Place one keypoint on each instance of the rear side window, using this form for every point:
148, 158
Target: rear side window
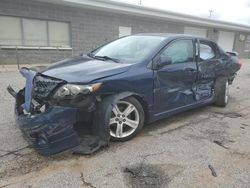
206, 52
180, 51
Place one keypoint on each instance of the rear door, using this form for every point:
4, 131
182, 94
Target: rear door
173, 83
208, 64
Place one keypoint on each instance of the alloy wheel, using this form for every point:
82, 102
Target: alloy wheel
227, 92
124, 119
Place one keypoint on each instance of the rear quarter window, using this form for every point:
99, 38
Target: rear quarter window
206, 52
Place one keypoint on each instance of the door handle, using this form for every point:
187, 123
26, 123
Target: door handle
190, 70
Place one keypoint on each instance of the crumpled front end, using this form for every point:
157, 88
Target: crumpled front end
49, 128
50, 124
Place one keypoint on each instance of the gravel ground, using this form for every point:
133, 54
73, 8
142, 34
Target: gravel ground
206, 147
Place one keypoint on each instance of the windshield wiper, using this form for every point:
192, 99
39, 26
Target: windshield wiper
103, 57
107, 58
90, 55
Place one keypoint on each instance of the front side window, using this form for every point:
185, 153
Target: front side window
206, 52
180, 51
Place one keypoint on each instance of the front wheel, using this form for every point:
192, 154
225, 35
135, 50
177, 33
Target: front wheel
126, 120
221, 91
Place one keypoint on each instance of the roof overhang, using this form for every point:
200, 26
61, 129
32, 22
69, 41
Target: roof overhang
137, 10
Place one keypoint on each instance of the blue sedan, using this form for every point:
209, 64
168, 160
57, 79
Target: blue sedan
110, 93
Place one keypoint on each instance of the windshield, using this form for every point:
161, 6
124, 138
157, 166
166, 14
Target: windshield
131, 49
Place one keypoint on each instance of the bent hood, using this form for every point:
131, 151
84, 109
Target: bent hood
84, 69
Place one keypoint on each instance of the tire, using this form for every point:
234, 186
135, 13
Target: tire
221, 91
126, 120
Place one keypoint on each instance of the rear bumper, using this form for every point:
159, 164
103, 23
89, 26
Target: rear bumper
51, 131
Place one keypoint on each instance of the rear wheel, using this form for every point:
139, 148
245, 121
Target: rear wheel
221, 91
126, 120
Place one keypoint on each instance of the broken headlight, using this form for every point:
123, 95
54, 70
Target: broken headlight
70, 91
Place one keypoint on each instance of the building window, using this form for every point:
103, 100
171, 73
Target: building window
247, 47
31, 32
34, 32
10, 31
58, 34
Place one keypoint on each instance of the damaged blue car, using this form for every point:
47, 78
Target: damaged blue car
109, 94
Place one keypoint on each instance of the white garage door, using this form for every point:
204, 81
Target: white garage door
198, 32
124, 31
226, 40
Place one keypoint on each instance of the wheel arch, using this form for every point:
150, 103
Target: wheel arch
222, 76
144, 105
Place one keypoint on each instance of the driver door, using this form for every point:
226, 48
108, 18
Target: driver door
173, 83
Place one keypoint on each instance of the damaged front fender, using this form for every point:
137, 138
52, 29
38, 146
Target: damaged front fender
100, 131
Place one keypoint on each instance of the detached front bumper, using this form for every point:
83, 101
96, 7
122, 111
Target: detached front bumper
51, 131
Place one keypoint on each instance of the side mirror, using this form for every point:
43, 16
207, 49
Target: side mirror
163, 61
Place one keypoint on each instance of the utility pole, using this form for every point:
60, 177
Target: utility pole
210, 13
140, 2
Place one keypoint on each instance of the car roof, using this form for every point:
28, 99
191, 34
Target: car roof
170, 35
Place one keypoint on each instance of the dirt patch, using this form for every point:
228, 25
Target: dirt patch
150, 175
229, 114
17, 164
241, 155
23, 164
210, 134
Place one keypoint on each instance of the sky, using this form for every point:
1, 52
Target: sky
237, 11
